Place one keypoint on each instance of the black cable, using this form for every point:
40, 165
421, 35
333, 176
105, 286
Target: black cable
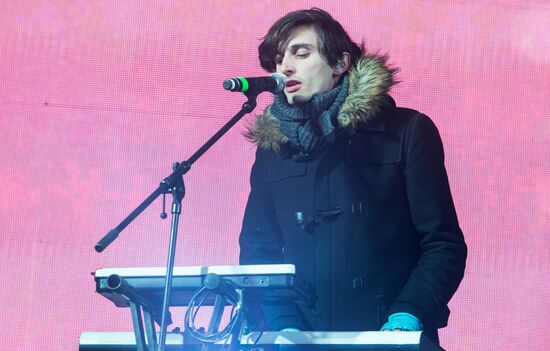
195, 304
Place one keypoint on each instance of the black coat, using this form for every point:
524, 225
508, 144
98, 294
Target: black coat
369, 223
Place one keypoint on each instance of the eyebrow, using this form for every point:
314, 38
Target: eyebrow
297, 46
294, 48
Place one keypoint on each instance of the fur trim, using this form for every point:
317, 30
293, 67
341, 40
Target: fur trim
369, 83
265, 132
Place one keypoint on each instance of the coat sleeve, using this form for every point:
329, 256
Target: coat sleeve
260, 239
441, 265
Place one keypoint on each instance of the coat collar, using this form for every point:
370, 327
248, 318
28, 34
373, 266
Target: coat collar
369, 83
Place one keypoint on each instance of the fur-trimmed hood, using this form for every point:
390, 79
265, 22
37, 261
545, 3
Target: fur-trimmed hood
369, 83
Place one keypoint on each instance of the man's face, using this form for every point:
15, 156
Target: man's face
306, 70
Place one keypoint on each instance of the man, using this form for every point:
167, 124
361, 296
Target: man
350, 189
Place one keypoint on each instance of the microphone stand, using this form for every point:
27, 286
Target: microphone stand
174, 184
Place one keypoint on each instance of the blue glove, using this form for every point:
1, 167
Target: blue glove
404, 321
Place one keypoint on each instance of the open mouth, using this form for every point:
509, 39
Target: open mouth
293, 85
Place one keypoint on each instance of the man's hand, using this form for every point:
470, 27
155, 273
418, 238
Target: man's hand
402, 321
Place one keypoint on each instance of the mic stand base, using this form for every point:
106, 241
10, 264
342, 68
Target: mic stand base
178, 192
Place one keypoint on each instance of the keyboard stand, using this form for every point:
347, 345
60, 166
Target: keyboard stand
144, 323
133, 288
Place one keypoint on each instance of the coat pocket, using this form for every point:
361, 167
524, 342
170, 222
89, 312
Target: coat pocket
373, 149
279, 169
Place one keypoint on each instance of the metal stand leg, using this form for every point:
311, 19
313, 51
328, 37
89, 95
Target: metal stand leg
217, 315
138, 326
236, 334
150, 330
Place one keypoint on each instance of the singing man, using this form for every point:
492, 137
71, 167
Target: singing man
349, 188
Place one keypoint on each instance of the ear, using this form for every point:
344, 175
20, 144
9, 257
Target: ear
342, 66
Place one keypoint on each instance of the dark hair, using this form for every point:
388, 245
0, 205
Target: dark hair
333, 39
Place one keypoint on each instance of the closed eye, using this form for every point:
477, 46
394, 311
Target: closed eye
301, 52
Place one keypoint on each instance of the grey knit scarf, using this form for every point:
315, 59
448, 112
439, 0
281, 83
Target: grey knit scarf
311, 126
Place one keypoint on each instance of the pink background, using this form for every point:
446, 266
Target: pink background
98, 98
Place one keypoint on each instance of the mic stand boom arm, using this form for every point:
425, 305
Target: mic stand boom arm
174, 184
181, 168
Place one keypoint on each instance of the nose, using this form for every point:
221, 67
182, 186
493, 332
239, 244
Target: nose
287, 66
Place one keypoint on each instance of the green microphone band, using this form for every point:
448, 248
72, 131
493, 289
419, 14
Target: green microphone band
245, 84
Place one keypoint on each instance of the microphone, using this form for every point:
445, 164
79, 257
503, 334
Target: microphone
273, 83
